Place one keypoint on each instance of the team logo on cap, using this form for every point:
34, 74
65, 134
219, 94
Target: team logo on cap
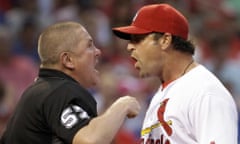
134, 18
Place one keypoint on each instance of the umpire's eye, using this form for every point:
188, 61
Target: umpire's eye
137, 38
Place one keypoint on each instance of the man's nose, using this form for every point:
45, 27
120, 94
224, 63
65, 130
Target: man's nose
130, 47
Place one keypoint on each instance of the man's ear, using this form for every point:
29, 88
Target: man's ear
67, 60
165, 41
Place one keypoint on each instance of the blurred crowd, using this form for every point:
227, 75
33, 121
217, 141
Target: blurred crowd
214, 29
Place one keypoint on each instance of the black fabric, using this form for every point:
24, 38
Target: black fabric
51, 111
122, 35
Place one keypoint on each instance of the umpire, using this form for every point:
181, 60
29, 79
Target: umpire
57, 108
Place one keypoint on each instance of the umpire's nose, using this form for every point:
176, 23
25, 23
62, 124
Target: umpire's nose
98, 52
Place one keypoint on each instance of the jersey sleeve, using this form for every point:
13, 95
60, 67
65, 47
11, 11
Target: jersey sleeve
66, 111
214, 118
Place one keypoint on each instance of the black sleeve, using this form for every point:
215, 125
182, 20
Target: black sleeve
66, 111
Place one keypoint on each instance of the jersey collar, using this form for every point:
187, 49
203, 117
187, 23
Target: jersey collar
51, 73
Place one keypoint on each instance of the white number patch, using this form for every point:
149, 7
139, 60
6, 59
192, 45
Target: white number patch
72, 114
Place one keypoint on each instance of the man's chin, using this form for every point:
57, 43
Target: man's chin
93, 82
96, 81
143, 75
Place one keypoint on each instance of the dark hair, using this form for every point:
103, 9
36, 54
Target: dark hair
178, 43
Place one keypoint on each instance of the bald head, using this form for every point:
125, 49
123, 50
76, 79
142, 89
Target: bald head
58, 38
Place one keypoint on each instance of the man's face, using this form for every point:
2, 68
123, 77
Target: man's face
147, 54
85, 57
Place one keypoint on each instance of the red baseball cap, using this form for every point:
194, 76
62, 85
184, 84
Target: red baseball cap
155, 18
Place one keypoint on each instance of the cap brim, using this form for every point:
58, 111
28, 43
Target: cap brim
127, 31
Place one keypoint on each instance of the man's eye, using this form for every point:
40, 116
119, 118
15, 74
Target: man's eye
90, 46
135, 40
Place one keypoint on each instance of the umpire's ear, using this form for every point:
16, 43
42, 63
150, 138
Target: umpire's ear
67, 60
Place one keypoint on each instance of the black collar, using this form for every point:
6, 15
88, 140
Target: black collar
51, 73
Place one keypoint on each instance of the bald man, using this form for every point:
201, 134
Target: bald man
57, 108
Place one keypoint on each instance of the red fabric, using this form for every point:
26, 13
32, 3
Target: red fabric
125, 137
235, 48
5, 5
156, 18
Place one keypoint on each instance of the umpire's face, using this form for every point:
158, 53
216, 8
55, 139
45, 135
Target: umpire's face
84, 58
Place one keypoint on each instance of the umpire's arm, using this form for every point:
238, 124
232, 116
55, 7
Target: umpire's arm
102, 129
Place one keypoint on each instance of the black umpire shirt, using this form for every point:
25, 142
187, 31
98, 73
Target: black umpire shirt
52, 110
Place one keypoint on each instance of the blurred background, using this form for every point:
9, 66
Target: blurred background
214, 29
